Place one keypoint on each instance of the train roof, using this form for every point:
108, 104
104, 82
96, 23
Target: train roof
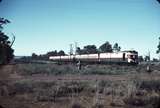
131, 51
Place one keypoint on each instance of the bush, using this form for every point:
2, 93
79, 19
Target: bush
135, 101
97, 105
151, 85
151, 101
77, 105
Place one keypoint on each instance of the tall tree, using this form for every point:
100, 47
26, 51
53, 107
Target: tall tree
147, 58
61, 53
158, 46
116, 47
158, 1
140, 58
90, 49
106, 47
2, 22
6, 52
34, 56
78, 50
52, 53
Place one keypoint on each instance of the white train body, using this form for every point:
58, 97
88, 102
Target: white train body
117, 57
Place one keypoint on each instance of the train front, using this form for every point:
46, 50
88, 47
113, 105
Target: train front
132, 57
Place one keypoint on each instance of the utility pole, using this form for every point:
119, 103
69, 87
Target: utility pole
71, 49
149, 55
76, 45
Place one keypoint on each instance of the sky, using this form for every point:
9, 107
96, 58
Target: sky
46, 25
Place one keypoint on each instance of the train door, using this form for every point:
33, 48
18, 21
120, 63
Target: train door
123, 56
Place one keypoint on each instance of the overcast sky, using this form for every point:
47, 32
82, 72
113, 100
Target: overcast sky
46, 25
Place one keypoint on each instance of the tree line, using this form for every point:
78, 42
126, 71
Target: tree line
91, 49
88, 49
106, 47
47, 55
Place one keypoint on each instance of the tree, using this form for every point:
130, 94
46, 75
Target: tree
78, 50
52, 53
61, 53
147, 58
90, 49
6, 52
158, 1
106, 47
158, 50
116, 48
155, 60
140, 58
34, 56
2, 22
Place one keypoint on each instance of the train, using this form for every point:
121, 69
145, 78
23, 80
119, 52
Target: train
129, 57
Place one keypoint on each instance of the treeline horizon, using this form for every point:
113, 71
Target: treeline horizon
92, 49
87, 49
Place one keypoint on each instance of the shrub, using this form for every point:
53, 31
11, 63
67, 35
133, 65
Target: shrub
151, 101
98, 105
77, 105
135, 101
151, 85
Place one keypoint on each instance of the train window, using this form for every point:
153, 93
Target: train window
123, 56
136, 56
131, 56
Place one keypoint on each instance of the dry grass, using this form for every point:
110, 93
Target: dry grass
53, 69
93, 87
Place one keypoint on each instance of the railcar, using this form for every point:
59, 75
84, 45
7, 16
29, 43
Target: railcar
130, 57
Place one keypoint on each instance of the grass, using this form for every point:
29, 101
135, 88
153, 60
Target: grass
75, 92
53, 69
151, 85
31, 69
132, 94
